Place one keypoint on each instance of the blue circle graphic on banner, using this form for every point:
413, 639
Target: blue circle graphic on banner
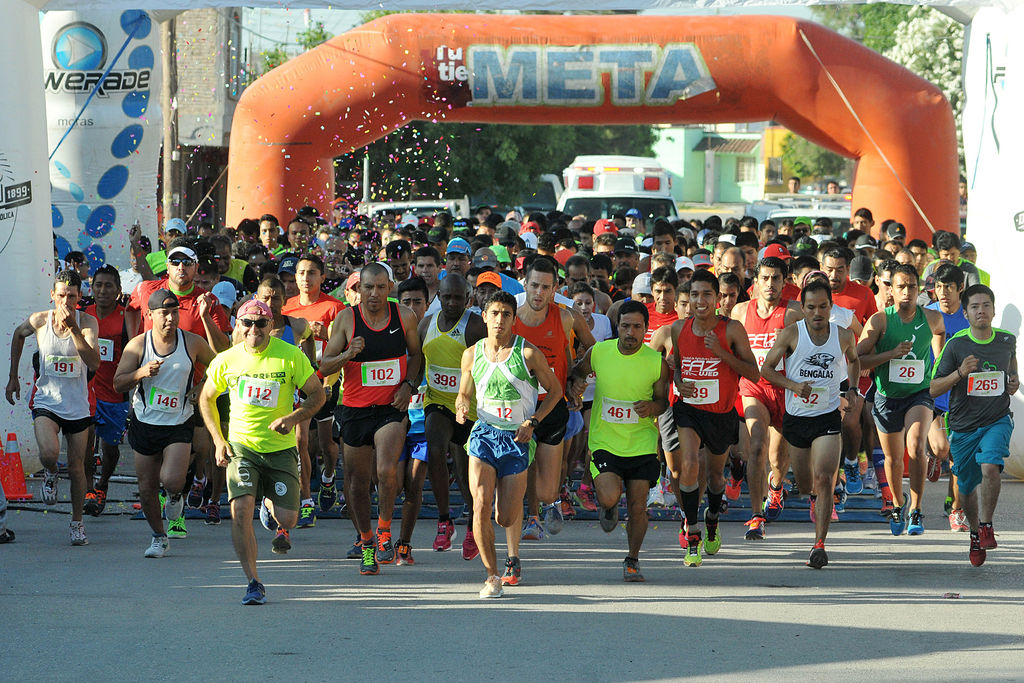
76, 191
84, 240
141, 58
135, 103
57, 217
62, 169
83, 213
96, 257
112, 182
101, 221
128, 19
62, 246
79, 47
127, 141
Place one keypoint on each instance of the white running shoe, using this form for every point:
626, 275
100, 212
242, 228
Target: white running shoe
656, 498
174, 507
870, 480
492, 588
78, 534
158, 548
49, 487
553, 520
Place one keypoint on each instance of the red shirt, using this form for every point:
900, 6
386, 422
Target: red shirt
188, 308
324, 310
857, 298
550, 338
373, 376
790, 292
112, 338
658, 320
713, 376
761, 333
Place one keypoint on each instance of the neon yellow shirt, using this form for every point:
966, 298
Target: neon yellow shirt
261, 387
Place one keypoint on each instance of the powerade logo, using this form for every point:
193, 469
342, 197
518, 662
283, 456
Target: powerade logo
79, 53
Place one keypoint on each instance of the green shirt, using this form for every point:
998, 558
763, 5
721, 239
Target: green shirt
622, 379
506, 391
910, 374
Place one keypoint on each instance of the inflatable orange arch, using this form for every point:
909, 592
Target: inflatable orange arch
367, 82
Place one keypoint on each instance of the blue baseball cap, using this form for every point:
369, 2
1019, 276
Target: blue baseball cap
458, 246
633, 213
176, 224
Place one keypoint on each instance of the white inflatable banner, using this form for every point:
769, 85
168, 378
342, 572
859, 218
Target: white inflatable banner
102, 85
26, 254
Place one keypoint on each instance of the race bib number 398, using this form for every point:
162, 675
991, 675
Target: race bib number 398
443, 379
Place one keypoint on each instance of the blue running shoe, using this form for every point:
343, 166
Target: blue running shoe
255, 594
839, 497
898, 521
854, 484
327, 496
916, 527
267, 519
774, 503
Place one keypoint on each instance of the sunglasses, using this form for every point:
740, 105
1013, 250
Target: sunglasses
887, 283
260, 323
181, 262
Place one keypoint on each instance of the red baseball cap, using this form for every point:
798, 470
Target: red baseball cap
776, 250
563, 255
530, 226
605, 225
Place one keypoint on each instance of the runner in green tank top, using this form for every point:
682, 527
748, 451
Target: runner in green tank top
630, 393
500, 375
900, 344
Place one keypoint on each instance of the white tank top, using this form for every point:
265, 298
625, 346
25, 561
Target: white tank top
161, 400
824, 367
63, 383
602, 331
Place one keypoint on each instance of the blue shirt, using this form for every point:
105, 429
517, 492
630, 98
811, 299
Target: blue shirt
954, 323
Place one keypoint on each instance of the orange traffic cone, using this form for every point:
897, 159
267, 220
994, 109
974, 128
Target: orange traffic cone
12, 476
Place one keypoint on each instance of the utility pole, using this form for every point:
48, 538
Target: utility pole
171, 199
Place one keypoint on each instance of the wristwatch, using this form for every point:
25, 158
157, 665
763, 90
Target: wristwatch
533, 422
410, 385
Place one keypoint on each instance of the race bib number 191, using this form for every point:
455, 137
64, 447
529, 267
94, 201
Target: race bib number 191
63, 366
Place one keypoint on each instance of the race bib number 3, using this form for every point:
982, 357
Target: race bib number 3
384, 373
818, 398
63, 366
106, 350
902, 371
258, 392
986, 384
618, 412
706, 392
164, 400
444, 379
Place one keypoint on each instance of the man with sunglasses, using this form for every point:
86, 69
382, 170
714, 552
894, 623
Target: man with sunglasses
260, 450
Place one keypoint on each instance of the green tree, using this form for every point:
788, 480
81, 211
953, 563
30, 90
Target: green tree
313, 36
273, 58
872, 25
807, 160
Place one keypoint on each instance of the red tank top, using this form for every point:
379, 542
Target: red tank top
717, 383
762, 331
372, 378
112, 338
550, 338
658, 320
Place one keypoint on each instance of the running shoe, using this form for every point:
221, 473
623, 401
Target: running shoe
934, 468
267, 519
854, 484
656, 497
78, 534
157, 547
977, 553
212, 514
282, 542
404, 553
369, 565
385, 550
835, 515
870, 481
195, 494
987, 537
586, 499
553, 519
916, 526
818, 557
898, 520
90, 507
356, 551
493, 587
255, 594
7, 536
774, 503
670, 496
948, 505
533, 531
567, 509
513, 572
101, 501
692, 558
755, 529
445, 534
307, 516
733, 488
737, 472
839, 497
174, 507
327, 496
176, 527
713, 543
631, 571
887, 507
811, 508
469, 549
958, 521
609, 519
49, 490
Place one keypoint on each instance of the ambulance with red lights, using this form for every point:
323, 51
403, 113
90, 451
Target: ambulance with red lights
603, 186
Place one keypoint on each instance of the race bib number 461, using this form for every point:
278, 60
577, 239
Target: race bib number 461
618, 412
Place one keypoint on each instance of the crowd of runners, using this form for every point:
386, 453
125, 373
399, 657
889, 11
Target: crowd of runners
543, 364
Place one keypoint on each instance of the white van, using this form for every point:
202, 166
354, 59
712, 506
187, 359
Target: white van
410, 211
779, 207
602, 186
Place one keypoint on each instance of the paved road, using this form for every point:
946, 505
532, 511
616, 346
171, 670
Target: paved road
878, 610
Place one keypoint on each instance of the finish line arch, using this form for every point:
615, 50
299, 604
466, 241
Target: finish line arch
374, 79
